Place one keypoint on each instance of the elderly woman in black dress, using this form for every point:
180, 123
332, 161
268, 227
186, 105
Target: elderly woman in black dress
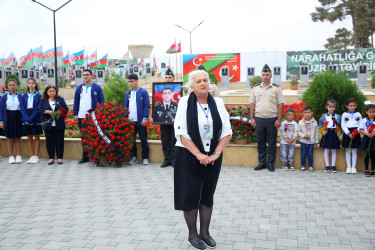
202, 130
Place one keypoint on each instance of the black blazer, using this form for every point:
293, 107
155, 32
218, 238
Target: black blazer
43, 106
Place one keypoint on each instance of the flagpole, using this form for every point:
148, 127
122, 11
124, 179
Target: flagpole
182, 79
176, 63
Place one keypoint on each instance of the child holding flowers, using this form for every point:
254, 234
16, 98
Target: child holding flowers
351, 138
329, 125
288, 134
367, 128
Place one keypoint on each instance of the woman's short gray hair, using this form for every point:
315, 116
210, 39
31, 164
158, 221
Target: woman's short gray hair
193, 74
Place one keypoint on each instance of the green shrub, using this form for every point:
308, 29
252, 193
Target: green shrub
373, 81
212, 77
334, 85
256, 80
12, 76
114, 90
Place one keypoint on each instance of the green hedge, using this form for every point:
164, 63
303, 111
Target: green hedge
334, 85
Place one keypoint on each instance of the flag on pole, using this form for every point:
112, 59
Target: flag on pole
102, 63
125, 57
71, 59
28, 62
175, 48
93, 57
66, 60
49, 55
9, 61
21, 61
79, 57
37, 56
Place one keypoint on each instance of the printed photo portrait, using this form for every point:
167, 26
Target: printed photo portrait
165, 101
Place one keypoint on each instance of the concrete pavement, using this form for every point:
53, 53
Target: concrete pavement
85, 207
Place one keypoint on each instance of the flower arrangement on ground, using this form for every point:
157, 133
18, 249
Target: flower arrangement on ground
241, 127
107, 134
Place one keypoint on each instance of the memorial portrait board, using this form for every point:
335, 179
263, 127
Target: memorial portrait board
165, 98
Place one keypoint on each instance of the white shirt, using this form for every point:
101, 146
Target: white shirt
350, 120
166, 103
53, 104
331, 124
12, 102
133, 106
30, 100
180, 123
288, 133
85, 102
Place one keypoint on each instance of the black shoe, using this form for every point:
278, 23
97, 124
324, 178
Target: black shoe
333, 169
83, 160
60, 162
164, 164
328, 169
260, 167
209, 241
50, 162
271, 168
197, 244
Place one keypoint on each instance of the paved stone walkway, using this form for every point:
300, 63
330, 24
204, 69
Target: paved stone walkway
75, 207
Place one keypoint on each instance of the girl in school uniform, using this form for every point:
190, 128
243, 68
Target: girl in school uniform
10, 120
54, 130
367, 128
350, 122
31, 120
329, 125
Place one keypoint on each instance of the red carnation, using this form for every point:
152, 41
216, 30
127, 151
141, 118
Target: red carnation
326, 123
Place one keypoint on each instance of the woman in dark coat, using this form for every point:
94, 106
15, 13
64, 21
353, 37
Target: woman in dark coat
202, 130
54, 130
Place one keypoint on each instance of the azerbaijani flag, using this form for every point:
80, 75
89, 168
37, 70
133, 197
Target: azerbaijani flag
22, 61
125, 57
155, 65
1, 62
79, 57
93, 56
9, 61
49, 55
28, 60
37, 56
66, 61
175, 48
102, 63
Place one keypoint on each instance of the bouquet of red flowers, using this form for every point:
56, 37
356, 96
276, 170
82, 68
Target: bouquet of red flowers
325, 129
370, 129
107, 134
61, 112
354, 134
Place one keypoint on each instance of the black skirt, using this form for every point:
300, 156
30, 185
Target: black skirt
346, 139
365, 142
330, 140
191, 187
31, 129
13, 127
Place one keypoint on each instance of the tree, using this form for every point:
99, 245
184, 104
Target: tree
341, 40
333, 10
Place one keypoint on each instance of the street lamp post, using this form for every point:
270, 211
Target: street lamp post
190, 33
54, 35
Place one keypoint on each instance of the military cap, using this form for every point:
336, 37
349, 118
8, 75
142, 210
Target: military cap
201, 67
266, 69
169, 72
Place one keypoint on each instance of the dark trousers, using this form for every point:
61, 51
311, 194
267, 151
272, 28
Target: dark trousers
55, 142
142, 131
307, 150
266, 133
84, 153
168, 141
367, 160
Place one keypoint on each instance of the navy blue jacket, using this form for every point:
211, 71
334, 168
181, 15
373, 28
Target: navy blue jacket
35, 118
97, 96
3, 107
43, 106
143, 103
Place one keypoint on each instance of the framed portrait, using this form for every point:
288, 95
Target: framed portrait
135, 69
1, 74
165, 98
24, 73
32, 73
131, 70
7, 73
362, 69
78, 74
100, 74
50, 73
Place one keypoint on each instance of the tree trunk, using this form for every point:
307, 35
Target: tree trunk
355, 31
